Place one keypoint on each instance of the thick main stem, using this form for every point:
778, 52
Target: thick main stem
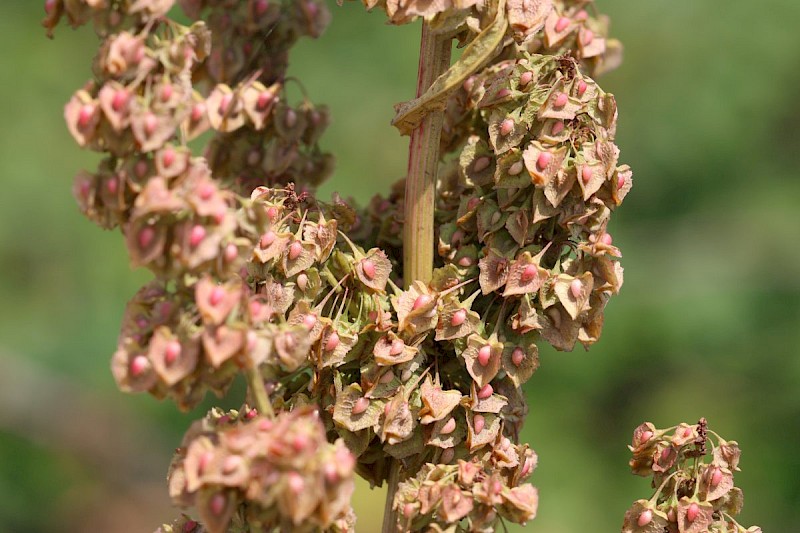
423, 160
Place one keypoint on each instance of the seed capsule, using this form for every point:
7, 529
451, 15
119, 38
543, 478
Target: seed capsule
582, 86
296, 483
517, 356
588, 37
507, 126
562, 24
216, 296
225, 103
291, 118
692, 512
295, 249
645, 518
368, 266
561, 100
231, 463
525, 78
302, 281
421, 301
484, 354
198, 112
139, 365
360, 406
85, 115
120, 100
503, 93
586, 174
397, 347
447, 455
146, 236
448, 427
481, 164
716, 477
576, 288
172, 352
387, 377
606, 239
543, 161
458, 318
217, 503
485, 392
150, 123
516, 168
197, 235
558, 127
646, 436
478, 422
310, 320
332, 343
529, 274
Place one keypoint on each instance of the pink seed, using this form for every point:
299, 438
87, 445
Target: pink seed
473, 203
671, 516
507, 126
150, 123
203, 461
272, 213
529, 274
295, 249
265, 424
296, 483
255, 308
484, 354
478, 422
141, 168
139, 365
586, 174
291, 118
172, 352
469, 83
408, 510
264, 99
251, 414
216, 296
312, 9
645, 518
198, 112
465, 261
205, 191
716, 477
397, 347
260, 7
503, 93
692, 512
119, 100
309, 321
645, 436
251, 339
558, 127
562, 24
421, 301
197, 235
525, 78
360, 406
225, 103
267, 239
49, 6
112, 185
168, 157
620, 182
448, 427
576, 288
544, 160
517, 356
387, 377
332, 342
458, 318
189, 526
561, 100
458, 236
231, 252
368, 266
516, 168
582, 86
85, 115
606, 239
231, 463
447, 455
217, 503
665, 453
687, 433
166, 93
331, 474
582, 15
485, 392
481, 164
300, 442
588, 37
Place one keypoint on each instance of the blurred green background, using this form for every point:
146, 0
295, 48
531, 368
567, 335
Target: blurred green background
708, 323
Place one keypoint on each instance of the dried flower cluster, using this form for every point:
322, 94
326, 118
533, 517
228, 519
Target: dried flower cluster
254, 275
695, 491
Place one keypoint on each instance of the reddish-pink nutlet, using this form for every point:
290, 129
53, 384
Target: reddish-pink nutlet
387, 377
291, 118
465, 261
264, 99
49, 6
408, 510
503, 93
198, 111
469, 83
561, 100
507, 126
205, 191
484, 354
692, 512
687, 432
368, 266
562, 24
312, 9
607, 240
645, 518
332, 342
457, 237
544, 160
120, 100
216, 296
251, 340
231, 463
172, 352
447, 455
112, 184
576, 288
516, 168
225, 103
645, 436
485, 392
665, 453
296, 483
558, 127
204, 460
525, 78
586, 174
582, 15
481, 164
272, 213
166, 92
190, 525
295, 249
716, 477
473, 203
517, 356
265, 424
360, 405
139, 365
251, 414
85, 115
529, 274
260, 7
168, 157
141, 168
458, 318
421, 301
231, 252
302, 281
448, 426
150, 123
310, 320
588, 37
217, 503
582, 86
196, 235
478, 422
300, 442
397, 347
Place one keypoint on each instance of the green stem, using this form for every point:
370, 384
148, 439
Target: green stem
255, 384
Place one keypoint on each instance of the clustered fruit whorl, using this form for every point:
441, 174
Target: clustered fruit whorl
254, 275
695, 491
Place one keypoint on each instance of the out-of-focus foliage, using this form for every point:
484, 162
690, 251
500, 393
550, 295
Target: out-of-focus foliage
706, 324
